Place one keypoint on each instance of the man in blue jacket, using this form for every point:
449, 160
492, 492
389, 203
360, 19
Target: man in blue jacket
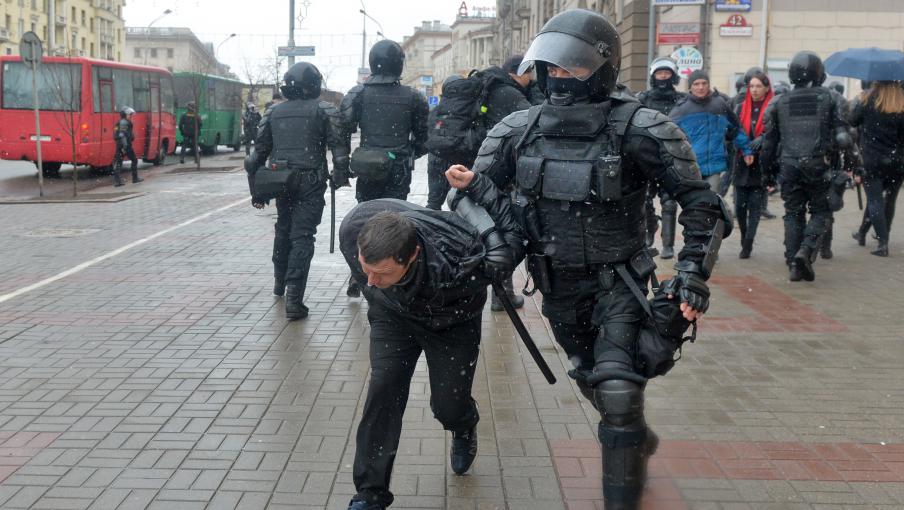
707, 120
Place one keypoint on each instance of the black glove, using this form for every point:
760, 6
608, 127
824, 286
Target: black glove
690, 288
498, 262
339, 178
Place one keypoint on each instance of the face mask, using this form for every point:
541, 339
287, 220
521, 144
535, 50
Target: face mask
662, 84
573, 87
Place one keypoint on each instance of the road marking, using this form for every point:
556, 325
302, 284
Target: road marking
85, 265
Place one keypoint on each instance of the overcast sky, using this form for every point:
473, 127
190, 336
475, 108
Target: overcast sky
332, 26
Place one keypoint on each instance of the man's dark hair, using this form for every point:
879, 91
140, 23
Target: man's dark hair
387, 234
511, 64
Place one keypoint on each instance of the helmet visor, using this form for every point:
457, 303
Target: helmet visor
566, 51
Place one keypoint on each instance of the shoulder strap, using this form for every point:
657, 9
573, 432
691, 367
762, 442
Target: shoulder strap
620, 118
533, 114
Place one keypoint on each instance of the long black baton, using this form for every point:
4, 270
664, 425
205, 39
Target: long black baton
332, 219
522, 332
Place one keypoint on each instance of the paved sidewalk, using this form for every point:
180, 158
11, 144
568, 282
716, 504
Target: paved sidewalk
166, 376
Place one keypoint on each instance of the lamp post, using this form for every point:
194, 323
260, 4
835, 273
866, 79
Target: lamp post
147, 34
364, 17
216, 51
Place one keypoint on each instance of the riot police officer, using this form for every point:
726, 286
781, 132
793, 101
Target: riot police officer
249, 125
580, 164
295, 135
393, 122
662, 97
189, 126
803, 128
124, 137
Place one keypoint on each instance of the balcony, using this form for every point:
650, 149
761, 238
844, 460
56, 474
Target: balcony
107, 38
60, 20
4, 34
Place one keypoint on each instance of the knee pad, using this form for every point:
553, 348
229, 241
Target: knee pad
620, 402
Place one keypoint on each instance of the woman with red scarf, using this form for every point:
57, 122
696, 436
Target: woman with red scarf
748, 180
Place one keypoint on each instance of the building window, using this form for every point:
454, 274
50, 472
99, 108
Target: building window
83, 45
92, 24
34, 4
74, 12
34, 26
153, 52
92, 50
21, 27
9, 22
169, 53
137, 52
83, 18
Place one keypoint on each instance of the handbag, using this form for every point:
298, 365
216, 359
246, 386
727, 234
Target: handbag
371, 165
272, 181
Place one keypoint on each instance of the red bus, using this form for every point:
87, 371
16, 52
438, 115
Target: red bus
81, 98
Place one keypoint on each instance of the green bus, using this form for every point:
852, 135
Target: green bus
219, 104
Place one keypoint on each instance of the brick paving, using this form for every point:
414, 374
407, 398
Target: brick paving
167, 377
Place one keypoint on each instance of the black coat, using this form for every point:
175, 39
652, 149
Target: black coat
445, 286
505, 96
881, 135
743, 175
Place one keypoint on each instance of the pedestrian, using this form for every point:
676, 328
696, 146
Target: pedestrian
526, 83
249, 125
879, 114
393, 122
803, 127
424, 275
580, 164
189, 126
748, 179
662, 97
124, 136
295, 136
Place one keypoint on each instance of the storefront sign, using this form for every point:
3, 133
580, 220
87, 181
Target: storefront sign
678, 33
733, 5
689, 59
736, 26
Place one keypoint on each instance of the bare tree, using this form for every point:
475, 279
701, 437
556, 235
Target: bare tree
64, 86
255, 75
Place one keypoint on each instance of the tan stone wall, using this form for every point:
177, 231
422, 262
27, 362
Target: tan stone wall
107, 31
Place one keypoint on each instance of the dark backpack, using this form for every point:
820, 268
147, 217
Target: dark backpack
457, 126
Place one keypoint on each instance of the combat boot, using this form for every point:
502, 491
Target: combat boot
135, 178
464, 450
882, 251
353, 289
803, 259
516, 300
860, 237
746, 248
279, 286
364, 505
295, 309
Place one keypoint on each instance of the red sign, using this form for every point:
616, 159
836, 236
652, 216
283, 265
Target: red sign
735, 26
678, 33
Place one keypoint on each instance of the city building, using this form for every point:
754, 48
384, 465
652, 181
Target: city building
176, 49
86, 28
471, 47
419, 49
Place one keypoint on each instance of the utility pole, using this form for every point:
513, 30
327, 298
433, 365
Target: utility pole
291, 31
363, 37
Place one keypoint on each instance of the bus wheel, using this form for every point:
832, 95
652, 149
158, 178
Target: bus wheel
161, 154
51, 170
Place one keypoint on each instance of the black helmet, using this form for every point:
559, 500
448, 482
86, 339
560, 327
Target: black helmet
780, 88
387, 58
664, 63
582, 42
302, 81
190, 106
739, 84
751, 72
806, 68
837, 87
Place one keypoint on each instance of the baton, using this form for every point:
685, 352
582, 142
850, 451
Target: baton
522, 332
859, 195
332, 219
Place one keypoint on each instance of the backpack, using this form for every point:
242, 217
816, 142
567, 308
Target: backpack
457, 126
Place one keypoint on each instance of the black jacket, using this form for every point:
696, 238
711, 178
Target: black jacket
445, 286
744, 175
505, 96
187, 123
881, 135
533, 93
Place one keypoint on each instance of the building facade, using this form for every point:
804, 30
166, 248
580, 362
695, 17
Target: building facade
86, 28
176, 49
472, 47
419, 49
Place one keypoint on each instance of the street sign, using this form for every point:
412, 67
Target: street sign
295, 51
678, 33
736, 26
733, 5
31, 49
689, 59
433, 101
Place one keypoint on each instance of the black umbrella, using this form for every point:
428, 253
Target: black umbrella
870, 64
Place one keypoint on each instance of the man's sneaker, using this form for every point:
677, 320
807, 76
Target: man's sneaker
464, 450
353, 290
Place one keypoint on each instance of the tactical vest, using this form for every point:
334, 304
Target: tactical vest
804, 120
385, 116
569, 166
298, 136
124, 129
662, 102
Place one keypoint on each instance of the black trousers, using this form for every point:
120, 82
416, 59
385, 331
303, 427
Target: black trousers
188, 142
748, 207
882, 189
127, 151
801, 196
297, 217
250, 135
437, 184
395, 346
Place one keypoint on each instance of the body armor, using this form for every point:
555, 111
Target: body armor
663, 101
297, 135
124, 131
805, 123
569, 166
386, 116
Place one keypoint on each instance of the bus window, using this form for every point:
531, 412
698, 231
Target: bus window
185, 90
102, 75
140, 91
166, 94
59, 86
122, 86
